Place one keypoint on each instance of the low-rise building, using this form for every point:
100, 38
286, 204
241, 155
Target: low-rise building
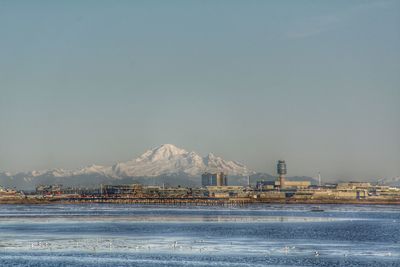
353, 185
224, 191
123, 189
297, 184
272, 185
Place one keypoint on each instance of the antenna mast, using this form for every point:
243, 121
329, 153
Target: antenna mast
319, 179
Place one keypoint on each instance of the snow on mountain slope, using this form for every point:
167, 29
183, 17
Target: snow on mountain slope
94, 169
169, 159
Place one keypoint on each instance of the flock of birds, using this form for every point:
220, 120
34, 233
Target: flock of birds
198, 245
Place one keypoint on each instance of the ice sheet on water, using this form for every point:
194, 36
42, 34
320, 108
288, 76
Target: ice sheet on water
276, 234
194, 245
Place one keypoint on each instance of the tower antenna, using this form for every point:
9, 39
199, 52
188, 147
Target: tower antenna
319, 179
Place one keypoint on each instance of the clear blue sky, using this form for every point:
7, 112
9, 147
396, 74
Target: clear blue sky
314, 82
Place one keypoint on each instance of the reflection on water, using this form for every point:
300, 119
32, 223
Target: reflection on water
129, 235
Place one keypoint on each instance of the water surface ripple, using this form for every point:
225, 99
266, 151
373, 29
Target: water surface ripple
135, 235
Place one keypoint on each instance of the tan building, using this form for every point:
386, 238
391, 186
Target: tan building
332, 194
353, 185
297, 184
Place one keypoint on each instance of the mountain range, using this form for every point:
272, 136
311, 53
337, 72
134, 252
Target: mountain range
163, 164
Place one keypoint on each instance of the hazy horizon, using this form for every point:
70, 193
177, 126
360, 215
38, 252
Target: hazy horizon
99, 82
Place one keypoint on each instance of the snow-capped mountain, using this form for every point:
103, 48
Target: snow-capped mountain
163, 161
168, 159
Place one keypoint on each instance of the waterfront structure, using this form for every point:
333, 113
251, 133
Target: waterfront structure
54, 189
123, 189
214, 179
6, 192
282, 171
59, 190
224, 191
175, 192
268, 192
215, 190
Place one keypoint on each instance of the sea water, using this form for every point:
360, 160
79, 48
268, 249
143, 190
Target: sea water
144, 235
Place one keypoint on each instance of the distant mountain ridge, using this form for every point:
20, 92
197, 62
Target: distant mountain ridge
393, 181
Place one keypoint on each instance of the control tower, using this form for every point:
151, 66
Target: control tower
281, 169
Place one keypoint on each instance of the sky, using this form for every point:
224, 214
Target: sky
316, 83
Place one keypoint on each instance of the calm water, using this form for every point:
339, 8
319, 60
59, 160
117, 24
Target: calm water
132, 235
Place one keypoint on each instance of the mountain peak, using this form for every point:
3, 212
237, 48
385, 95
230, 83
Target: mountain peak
211, 156
163, 152
171, 148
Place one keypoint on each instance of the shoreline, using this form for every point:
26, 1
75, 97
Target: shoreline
194, 201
